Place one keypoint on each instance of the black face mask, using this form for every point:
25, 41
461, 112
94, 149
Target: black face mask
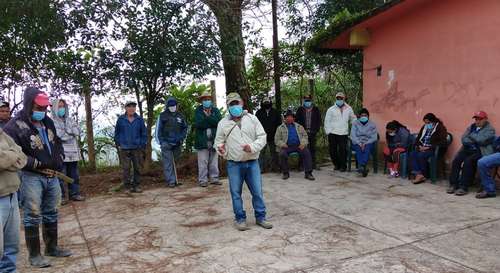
266, 105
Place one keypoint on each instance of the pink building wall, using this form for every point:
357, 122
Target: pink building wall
441, 57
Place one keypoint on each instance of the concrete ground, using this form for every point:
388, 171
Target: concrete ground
338, 223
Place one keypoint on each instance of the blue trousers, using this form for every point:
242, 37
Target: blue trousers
362, 156
169, 154
41, 196
9, 232
246, 172
485, 165
71, 170
419, 161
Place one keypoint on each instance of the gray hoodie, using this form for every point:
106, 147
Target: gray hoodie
363, 133
68, 131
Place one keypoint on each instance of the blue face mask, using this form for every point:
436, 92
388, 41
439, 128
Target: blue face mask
61, 112
207, 103
429, 126
308, 104
236, 110
339, 103
38, 116
363, 119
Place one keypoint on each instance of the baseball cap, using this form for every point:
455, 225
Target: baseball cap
4, 103
480, 114
205, 94
307, 97
340, 94
130, 103
232, 97
42, 99
266, 100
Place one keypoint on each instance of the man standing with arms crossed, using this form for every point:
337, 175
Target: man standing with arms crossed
240, 138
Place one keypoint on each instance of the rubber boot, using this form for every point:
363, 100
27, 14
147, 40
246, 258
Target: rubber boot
32, 236
50, 239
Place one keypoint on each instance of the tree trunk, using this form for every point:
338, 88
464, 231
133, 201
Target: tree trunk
276, 56
149, 128
232, 46
90, 129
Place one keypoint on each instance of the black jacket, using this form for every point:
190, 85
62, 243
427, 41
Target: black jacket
315, 119
270, 121
25, 134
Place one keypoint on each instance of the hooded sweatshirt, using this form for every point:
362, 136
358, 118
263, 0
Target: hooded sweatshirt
363, 133
171, 127
25, 134
12, 159
68, 131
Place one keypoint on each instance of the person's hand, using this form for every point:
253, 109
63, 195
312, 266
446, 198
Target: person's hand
301, 147
362, 146
222, 149
247, 148
207, 112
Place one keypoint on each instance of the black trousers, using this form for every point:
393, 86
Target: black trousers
312, 148
469, 160
338, 150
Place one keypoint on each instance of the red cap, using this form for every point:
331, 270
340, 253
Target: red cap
480, 114
42, 99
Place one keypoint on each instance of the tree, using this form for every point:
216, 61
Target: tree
165, 43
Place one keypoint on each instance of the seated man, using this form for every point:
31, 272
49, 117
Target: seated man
477, 141
291, 137
486, 165
363, 138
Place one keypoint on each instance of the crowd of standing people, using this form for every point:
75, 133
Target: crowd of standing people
35, 147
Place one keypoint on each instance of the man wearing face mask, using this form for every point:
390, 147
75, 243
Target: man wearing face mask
309, 116
4, 112
291, 137
172, 130
68, 131
131, 138
206, 118
363, 137
270, 120
240, 138
35, 132
477, 142
337, 129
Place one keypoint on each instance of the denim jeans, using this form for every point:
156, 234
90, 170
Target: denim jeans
485, 165
9, 232
41, 196
71, 170
362, 156
419, 161
169, 154
248, 172
208, 165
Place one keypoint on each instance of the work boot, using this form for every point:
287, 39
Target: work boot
451, 190
309, 176
285, 176
49, 231
265, 224
33, 243
241, 225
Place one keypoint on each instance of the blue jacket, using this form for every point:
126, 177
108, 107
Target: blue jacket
172, 128
130, 135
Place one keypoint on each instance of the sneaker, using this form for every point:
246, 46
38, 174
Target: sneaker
203, 184
265, 224
171, 185
241, 226
136, 189
77, 198
484, 194
179, 183
451, 190
285, 176
309, 176
460, 192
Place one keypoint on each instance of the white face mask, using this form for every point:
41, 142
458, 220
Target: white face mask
172, 109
